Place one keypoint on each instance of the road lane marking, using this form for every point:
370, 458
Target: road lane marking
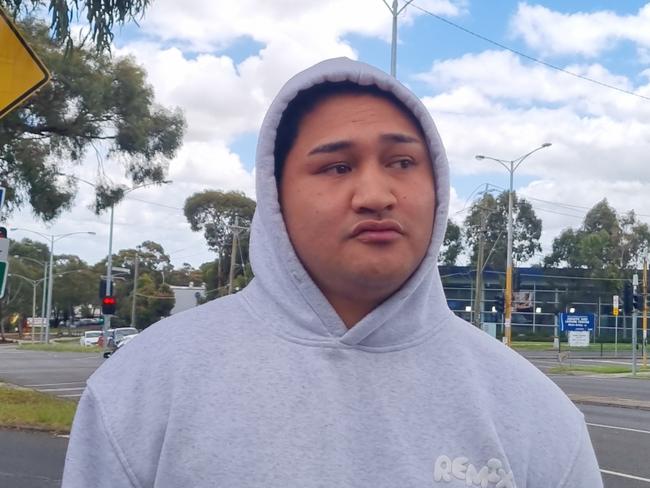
628, 363
62, 389
619, 428
55, 384
623, 475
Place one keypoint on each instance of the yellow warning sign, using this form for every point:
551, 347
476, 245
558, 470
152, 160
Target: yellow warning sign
21, 72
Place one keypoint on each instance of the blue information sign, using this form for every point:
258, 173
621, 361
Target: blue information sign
576, 321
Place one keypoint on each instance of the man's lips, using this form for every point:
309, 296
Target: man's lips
377, 231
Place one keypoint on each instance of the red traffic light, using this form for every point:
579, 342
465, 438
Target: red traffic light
108, 305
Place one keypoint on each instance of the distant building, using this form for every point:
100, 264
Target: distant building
187, 296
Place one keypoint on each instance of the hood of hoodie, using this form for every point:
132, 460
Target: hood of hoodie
284, 294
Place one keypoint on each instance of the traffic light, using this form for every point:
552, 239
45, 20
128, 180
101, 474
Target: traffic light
638, 301
102, 287
628, 298
108, 305
499, 303
3, 232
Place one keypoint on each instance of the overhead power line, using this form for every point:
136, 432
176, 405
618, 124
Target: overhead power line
530, 58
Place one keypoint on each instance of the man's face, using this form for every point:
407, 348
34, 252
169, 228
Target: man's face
357, 196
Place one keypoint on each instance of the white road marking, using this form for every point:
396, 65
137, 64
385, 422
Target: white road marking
54, 384
629, 363
66, 396
619, 428
62, 389
623, 475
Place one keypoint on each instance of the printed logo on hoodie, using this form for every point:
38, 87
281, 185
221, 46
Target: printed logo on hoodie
491, 475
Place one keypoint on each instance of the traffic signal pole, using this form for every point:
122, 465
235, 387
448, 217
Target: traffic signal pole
635, 284
645, 312
109, 281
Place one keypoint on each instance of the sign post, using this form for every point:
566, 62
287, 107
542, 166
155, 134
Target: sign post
4, 265
21, 72
615, 312
578, 327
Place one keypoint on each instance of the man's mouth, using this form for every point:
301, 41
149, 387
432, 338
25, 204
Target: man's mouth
377, 231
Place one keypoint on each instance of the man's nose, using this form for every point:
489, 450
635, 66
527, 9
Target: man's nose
373, 191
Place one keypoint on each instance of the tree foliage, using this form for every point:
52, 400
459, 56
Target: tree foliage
93, 102
452, 245
214, 212
101, 17
489, 216
606, 243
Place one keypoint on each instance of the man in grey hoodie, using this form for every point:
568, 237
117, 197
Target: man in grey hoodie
340, 365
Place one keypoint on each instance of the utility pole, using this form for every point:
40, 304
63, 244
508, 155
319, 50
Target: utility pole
511, 166
135, 289
233, 254
395, 11
478, 300
645, 312
635, 285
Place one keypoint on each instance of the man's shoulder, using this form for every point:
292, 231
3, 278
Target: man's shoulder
172, 344
511, 378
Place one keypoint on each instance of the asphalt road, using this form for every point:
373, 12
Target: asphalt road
621, 439
31, 459
62, 374
621, 436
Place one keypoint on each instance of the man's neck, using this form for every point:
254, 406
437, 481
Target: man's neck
352, 310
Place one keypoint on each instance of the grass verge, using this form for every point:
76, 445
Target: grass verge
547, 346
605, 369
20, 408
59, 347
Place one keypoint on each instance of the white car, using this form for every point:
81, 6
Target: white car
90, 338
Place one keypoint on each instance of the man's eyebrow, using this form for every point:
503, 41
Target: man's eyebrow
330, 147
399, 137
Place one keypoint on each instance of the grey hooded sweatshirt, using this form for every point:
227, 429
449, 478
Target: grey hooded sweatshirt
268, 388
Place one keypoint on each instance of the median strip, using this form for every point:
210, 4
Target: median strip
610, 402
22, 408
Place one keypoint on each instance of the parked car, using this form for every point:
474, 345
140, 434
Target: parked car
90, 338
117, 336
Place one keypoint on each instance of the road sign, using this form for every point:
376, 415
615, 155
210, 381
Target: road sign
579, 338
4, 271
21, 72
4, 266
615, 304
577, 322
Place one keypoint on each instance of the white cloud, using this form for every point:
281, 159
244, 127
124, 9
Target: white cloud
503, 77
206, 26
588, 34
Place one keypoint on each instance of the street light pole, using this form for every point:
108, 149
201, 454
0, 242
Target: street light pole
395, 11
34, 284
53, 239
511, 166
44, 280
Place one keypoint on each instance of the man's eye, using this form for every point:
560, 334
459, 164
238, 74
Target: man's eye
338, 169
402, 163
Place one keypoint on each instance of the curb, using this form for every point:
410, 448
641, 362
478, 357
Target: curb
610, 402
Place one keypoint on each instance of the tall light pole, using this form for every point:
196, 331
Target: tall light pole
34, 284
53, 238
109, 261
395, 11
44, 280
511, 166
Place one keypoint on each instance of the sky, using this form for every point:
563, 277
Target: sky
493, 75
